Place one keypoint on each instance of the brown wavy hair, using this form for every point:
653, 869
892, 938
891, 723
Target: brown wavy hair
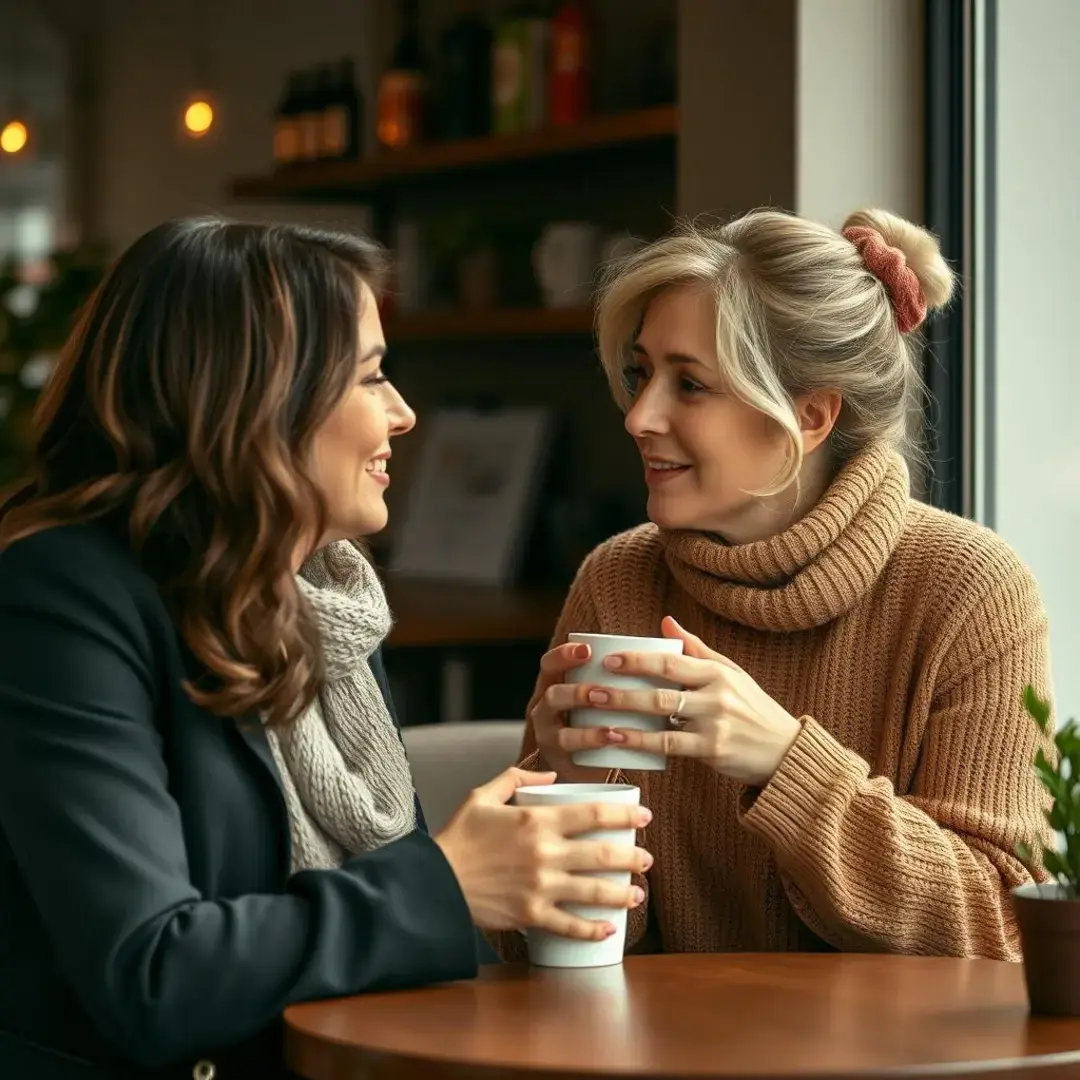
181, 415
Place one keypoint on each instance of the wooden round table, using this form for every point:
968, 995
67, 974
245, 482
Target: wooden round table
732, 1015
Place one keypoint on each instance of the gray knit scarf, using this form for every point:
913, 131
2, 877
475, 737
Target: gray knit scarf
343, 769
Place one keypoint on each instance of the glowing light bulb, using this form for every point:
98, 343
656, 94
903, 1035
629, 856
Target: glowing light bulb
13, 137
198, 118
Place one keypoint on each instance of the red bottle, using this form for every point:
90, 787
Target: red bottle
568, 79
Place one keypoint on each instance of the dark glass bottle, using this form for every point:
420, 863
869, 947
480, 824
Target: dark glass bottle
403, 88
309, 113
464, 96
342, 115
286, 129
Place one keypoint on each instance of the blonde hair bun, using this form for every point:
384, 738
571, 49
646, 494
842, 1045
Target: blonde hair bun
921, 250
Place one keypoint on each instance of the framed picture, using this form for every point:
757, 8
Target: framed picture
473, 498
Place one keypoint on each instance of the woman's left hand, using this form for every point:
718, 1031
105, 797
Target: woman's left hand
722, 717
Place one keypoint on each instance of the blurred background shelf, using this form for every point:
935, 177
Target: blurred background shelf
590, 137
456, 649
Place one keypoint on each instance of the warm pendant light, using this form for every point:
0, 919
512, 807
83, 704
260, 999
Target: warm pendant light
199, 114
14, 122
14, 136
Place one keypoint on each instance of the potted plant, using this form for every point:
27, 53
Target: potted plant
465, 261
1048, 912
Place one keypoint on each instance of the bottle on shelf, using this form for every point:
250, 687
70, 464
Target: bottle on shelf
309, 112
286, 127
519, 71
464, 96
403, 88
339, 138
569, 77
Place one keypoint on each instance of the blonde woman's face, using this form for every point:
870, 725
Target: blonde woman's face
352, 448
702, 449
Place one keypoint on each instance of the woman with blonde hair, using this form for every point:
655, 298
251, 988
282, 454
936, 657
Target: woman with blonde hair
849, 765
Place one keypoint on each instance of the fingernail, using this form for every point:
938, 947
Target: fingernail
581, 652
613, 662
608, 930
599, 697
614, 736
638, 894
645, 816
647, 861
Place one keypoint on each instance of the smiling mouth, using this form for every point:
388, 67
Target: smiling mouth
658, 471
377, 471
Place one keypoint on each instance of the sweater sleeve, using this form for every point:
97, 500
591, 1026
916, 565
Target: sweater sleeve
579, 614
98, 839
928, 871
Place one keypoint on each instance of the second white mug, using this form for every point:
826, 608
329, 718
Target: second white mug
593, 671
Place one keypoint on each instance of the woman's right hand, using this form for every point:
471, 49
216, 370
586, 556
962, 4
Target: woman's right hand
516, 864
551, 701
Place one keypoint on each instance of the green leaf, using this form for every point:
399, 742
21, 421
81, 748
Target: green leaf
1058, 772
1055, 864
1037, 709
1067, 740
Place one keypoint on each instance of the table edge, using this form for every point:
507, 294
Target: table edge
348, 1056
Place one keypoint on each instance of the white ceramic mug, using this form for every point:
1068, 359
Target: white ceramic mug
593, 671
564, 260
551, 950
619, 245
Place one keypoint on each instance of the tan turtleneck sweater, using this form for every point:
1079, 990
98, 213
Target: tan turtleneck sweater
903, 637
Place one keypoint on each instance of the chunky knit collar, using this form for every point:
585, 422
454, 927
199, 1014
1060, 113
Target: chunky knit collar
813, 572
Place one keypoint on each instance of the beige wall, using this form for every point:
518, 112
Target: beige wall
809, 105
859, 104
737, 69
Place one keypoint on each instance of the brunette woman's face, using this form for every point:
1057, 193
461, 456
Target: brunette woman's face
352, 448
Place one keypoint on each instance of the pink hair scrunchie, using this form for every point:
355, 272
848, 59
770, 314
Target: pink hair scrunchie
889, 265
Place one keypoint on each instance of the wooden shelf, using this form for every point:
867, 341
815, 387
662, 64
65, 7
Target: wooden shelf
598, 133
437, 613
499, 323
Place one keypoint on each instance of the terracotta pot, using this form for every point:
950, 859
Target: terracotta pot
1050, 941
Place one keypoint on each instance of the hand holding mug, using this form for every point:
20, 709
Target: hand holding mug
552, 700
516, 865
568, 725
722, 717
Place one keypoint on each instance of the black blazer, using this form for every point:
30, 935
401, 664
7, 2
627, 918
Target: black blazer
147, 916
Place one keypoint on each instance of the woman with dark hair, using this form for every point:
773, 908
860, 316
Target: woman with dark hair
205, 809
